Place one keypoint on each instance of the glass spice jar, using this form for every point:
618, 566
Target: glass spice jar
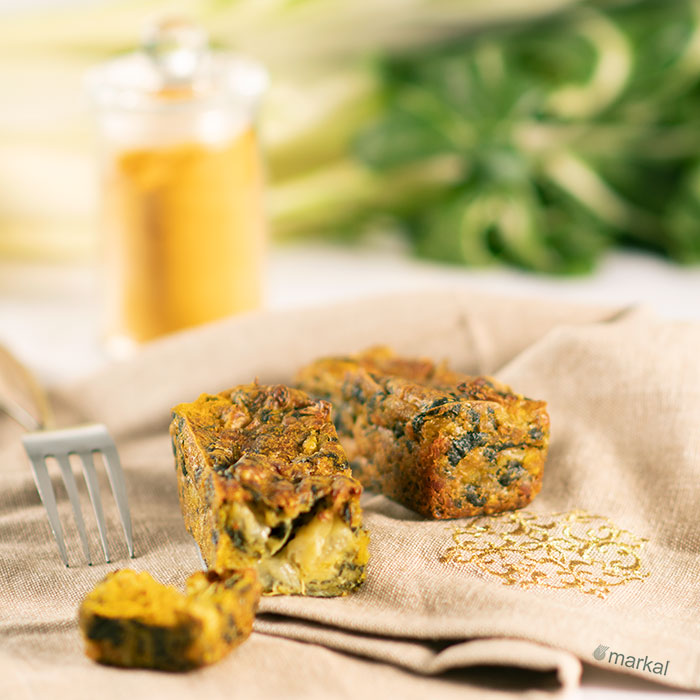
182, 185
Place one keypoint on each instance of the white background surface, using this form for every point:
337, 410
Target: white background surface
49, 317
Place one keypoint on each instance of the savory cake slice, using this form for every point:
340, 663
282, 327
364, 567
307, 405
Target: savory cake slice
444, 444
264, 482
131, 620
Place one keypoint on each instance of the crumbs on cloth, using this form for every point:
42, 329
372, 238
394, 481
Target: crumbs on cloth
572, 549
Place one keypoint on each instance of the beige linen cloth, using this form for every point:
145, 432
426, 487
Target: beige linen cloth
605, 561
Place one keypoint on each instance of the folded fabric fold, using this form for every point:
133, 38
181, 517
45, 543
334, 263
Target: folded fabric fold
431, 657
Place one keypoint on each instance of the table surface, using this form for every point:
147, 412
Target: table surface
50, 316
50, 319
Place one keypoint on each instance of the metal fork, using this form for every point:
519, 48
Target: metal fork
84, 441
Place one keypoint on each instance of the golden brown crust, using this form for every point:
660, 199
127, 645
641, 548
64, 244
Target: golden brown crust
256, 464
131, 620
442, 443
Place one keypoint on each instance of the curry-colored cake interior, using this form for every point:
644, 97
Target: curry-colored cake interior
443, 443
264, 482
131, 620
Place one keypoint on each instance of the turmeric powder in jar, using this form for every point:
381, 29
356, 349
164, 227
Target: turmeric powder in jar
184, 235
183, 211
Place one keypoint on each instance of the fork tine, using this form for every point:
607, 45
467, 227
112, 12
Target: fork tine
45, 489
94, 491
69, 481
84, 442
116, 479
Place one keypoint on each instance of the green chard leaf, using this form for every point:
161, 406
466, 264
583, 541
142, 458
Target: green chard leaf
575, 133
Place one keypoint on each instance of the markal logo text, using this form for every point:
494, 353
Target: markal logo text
643, 663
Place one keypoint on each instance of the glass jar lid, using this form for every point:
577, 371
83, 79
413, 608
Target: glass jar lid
175, 69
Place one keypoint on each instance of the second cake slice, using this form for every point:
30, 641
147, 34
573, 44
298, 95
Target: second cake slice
264, 482
444, 444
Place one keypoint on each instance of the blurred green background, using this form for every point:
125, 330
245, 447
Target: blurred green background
535, 134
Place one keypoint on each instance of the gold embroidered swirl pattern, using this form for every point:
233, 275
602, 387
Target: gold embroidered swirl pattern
560, 550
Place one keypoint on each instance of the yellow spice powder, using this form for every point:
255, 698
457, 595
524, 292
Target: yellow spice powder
185, 236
